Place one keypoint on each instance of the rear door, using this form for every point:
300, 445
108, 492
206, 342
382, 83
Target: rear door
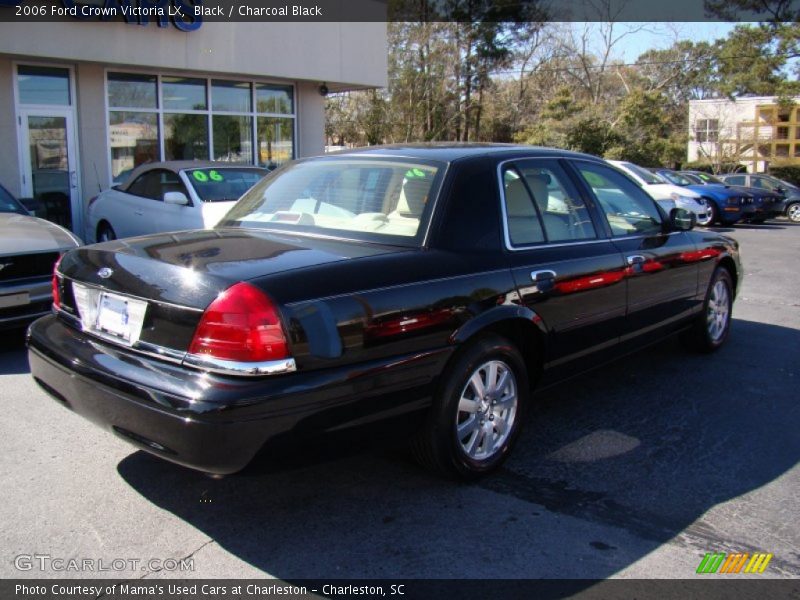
565, 268
661, 265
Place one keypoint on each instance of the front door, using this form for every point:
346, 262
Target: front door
49, 166
662, 266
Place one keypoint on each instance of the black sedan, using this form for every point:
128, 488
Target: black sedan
424, 290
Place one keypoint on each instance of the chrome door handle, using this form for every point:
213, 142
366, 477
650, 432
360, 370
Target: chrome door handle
542, 275
636, 259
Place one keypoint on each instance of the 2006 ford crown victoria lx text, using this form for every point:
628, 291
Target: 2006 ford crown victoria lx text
423, 288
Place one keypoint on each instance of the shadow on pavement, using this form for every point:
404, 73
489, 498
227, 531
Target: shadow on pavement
646, 445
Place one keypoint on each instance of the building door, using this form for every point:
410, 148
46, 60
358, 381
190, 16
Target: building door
50, 174
45, 98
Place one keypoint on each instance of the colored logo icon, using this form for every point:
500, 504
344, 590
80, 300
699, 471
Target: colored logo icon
731, 564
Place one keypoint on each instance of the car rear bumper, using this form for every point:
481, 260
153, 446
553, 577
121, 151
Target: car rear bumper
214, 423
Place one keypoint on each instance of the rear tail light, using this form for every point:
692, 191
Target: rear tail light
56, 292
241, 325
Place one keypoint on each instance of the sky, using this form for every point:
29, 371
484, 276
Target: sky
658, 36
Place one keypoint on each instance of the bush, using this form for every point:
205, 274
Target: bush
790, 173
731, 167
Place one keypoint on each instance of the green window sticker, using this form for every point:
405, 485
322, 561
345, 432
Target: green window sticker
215, 175
200, 176
412, 173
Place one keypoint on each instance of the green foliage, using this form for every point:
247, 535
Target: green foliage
790, 173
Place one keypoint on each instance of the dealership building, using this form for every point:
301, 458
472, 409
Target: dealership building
85, 101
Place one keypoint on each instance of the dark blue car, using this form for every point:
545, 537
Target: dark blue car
727, 205
766, 204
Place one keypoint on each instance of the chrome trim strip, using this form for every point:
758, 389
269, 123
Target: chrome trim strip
147, 300
231, 367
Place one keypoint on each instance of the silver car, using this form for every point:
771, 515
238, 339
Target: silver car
29, 248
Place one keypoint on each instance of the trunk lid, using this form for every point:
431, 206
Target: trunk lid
179, 274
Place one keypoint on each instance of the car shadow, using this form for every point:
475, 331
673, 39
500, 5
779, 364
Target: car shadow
13, 357
610, 466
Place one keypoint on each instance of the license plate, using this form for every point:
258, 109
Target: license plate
113, 316
10, 300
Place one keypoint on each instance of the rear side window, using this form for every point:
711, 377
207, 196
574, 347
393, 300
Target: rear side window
154, 184
737, 180
628, 210
542, 206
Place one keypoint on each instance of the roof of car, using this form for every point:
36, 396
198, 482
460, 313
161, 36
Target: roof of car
181, 165
450, 151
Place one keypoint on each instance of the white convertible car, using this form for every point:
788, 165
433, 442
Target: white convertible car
170, 196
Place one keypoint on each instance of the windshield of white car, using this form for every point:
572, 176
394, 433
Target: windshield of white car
224, 184
372, 199
645, 175
9, 204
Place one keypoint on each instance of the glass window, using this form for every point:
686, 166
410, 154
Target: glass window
628, 209
275, 137
127, 90
563, 212
224, 183
706, 130
185, 137
274, 99
231, 96
233, 138
43, 85
133, 138
179, 121
738, 180
381, 200
524, 223
183, 93
648, 177
154, 184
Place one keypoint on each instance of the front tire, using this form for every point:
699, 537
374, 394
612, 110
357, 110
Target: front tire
713, 213
713, 324
477, 414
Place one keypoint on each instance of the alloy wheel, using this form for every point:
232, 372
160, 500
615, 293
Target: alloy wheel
487, 409
719, 309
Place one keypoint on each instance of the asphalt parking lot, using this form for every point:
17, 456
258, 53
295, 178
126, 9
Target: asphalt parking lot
636, 471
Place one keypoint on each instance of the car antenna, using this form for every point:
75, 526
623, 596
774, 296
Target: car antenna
97, 175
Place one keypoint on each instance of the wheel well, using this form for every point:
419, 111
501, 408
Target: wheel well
727, 263
100, 225
528, 339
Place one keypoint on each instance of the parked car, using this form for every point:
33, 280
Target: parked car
29, 248
415, 289
789, 192
727, 206
668, 195
169, 196
766, 204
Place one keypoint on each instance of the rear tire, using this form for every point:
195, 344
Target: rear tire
713, 212
713, 324
793, 212
477, 412
105, 233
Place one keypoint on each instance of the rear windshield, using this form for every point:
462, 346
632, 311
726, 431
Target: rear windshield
223, 184
708, 178
386, 200
676, 178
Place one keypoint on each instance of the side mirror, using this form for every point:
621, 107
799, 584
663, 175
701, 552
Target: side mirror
176, 198
682, 220
780, 189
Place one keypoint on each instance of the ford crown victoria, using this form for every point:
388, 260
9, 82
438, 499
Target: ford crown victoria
423, 289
